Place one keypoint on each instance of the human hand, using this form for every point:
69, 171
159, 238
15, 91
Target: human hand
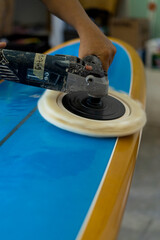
93, 41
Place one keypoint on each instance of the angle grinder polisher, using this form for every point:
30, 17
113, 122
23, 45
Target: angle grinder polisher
78, 98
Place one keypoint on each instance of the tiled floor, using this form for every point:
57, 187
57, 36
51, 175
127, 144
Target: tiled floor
142, 215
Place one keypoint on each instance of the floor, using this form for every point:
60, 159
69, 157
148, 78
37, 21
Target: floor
141, 220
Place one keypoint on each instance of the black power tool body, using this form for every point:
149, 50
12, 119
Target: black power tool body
86, 88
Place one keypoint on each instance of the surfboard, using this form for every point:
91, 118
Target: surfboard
55, 184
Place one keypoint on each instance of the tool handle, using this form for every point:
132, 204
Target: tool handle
34, 69
59, 72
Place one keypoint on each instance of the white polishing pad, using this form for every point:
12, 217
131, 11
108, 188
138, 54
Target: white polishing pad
51, 108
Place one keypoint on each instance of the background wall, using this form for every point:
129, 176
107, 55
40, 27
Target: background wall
30, 12
138, 8
34, 11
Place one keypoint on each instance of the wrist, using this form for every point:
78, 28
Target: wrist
89, 30
85, 28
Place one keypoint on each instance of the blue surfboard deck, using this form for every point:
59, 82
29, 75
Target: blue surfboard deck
49, 176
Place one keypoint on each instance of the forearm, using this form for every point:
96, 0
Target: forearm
92, 40
71, 12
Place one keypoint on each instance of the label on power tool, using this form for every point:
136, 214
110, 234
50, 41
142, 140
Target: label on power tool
34, 77
39, 64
